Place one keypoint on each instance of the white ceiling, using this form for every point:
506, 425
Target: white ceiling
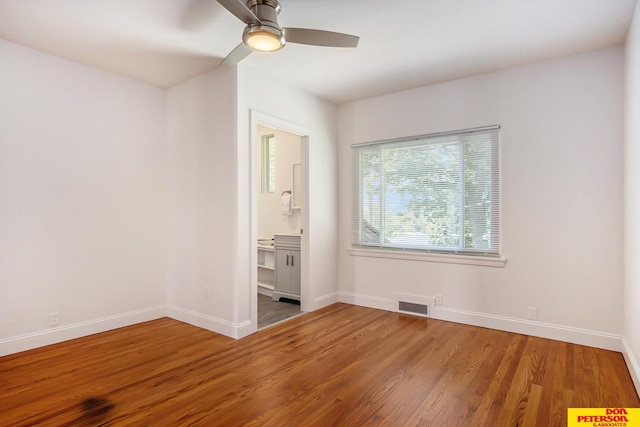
403, 43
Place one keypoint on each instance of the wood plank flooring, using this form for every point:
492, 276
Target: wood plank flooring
340, 366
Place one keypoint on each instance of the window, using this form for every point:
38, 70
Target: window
268, 163
435, 193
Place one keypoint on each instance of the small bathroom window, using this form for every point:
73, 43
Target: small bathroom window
268, 163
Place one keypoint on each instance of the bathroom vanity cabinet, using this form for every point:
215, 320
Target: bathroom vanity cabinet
287, 267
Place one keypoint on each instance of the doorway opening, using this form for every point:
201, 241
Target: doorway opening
279, 211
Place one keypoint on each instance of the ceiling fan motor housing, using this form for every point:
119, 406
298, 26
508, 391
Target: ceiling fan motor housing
267, 12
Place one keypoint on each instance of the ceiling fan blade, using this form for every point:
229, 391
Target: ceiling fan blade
241, 11
236, 55
319, 37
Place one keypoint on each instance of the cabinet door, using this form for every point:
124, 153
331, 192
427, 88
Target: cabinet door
294, 262
283, 270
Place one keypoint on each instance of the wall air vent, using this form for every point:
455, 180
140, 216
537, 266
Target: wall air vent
412, 308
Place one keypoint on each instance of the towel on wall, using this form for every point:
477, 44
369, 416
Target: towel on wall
287, 207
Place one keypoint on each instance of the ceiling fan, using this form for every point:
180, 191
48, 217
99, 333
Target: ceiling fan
264, 34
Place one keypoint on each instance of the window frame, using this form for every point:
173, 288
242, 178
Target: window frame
456, 255
268, 159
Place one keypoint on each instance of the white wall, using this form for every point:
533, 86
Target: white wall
89, 189
270, 217
201, 129
123, 202
83, 162
561, 142
632, 202
266, 95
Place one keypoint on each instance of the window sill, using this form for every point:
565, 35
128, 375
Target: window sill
430, 257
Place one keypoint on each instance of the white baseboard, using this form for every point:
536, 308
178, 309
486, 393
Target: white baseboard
633, 364
76, 330
573, 335
366, 301
544, 330
569, 334
220, 326
245, 329
324, 300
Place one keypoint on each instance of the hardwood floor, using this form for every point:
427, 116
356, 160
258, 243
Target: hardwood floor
340, 366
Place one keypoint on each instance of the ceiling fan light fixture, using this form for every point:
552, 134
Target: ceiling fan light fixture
263, 39
263, 33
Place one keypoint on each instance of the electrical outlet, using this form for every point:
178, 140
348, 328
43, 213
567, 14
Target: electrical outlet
533, 313
53, 318
207, 291
438, 299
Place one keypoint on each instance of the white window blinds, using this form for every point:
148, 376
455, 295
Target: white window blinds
436, 193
